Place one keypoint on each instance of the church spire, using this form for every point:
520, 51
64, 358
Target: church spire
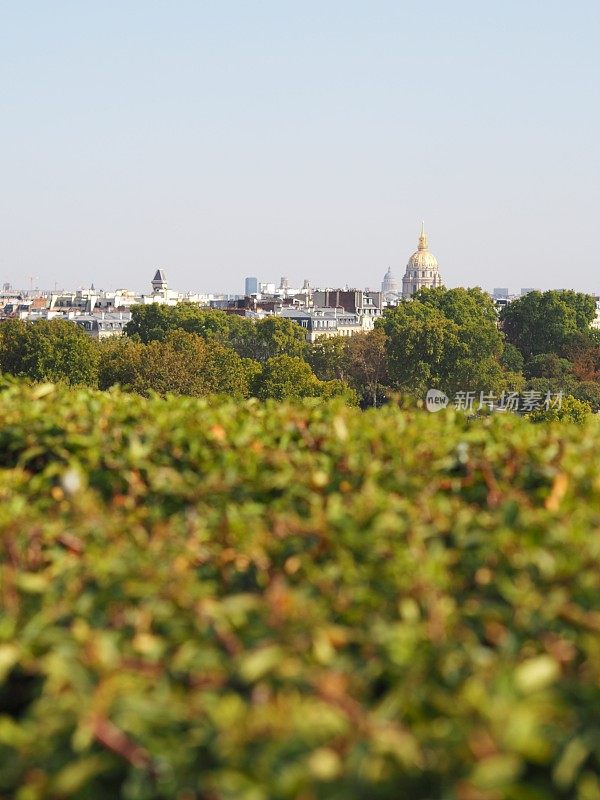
423, 238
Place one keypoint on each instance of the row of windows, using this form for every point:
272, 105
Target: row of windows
318, 323
415, 274
339, 332
106, 325
329, 323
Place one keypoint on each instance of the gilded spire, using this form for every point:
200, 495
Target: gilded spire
423, 238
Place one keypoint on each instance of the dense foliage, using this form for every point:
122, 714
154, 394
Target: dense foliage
448, 339
547, 322
268, 601
257, 339
55, 350
558, 348
182, 363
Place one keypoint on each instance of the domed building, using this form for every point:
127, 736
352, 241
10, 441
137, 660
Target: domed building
422, 269
389, 285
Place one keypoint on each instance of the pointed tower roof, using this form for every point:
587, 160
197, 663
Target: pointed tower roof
159, 281
423, 245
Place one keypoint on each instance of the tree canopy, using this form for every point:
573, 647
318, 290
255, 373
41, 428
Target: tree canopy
547, 322
48, 350
445, 338
258, 339
183, 363
290, 378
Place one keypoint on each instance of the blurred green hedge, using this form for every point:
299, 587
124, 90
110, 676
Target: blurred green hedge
261, 601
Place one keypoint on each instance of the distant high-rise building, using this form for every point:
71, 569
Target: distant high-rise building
421, 270
499, 294
251, 286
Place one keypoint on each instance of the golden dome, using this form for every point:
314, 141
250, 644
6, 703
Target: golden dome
421, 270
422, 258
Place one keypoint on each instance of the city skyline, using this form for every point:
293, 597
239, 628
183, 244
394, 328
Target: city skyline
398, 282
219, 142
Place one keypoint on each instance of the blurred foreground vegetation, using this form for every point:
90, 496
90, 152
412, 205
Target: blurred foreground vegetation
264, 601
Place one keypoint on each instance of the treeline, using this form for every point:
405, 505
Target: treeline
449, 339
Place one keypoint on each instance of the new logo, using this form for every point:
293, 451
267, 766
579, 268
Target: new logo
436, 400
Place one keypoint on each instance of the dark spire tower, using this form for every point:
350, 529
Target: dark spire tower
159, 281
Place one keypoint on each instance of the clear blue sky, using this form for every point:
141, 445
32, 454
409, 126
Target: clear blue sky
225, 138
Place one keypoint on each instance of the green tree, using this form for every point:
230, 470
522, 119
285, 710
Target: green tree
360, 360
257, 339
224, 372
153, 322
420, 343
584, 352
447, 339
336, 389
119, 361
459, 304
252, 370
367, 364
273, 336
473, 311
512, 358
483, 374
328, 357
546, 322
549, 365
48, 350
545, 385
182, 363
149, 323
570, 410
588, 392
291, 378
215, 325
173, 366
284, 378
548, 372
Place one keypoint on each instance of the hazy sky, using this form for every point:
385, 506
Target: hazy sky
225, 138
